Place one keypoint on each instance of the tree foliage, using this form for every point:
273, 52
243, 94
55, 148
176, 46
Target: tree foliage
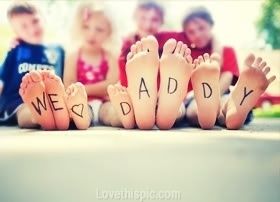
268, 24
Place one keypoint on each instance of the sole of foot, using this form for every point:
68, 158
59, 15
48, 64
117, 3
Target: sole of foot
77, 104
142, 72
175, 72
121, 102
32, 91
252, 83
56, 95
205, 81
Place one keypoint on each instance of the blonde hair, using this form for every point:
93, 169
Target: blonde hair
85, 11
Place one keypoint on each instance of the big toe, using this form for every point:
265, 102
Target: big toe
150, 44
250, 60
35, 76
215, 57
169, 46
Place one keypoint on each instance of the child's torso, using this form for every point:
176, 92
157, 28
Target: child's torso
88, 73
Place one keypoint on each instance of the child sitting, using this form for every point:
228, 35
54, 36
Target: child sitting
93, 62
38, 97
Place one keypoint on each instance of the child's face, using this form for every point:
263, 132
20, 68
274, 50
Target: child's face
96, 31
199, 32
148, 21
28, 27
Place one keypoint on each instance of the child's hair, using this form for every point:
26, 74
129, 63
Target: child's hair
198, 12
152, 5
21, 8
84, 12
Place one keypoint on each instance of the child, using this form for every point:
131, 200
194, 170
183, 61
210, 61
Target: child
138, 102
41, 90
93, 62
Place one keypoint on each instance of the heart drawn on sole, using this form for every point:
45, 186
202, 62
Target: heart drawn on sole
78, 110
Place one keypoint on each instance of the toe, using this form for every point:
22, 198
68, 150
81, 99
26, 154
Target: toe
215, 57
187, 52
257, 62
183, 50
111, 89
250, 60
262, 65
133, 49
195, 62
139, 47
206, 57
35, 76
169, 46
150, 44
129, 56
271, 79
200, 59
178, 47
266, 70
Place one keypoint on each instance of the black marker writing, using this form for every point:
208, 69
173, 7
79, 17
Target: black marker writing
142, 83
169, 85
52, 101
40, 103
126, 110
78, 110
245, 95
204, 84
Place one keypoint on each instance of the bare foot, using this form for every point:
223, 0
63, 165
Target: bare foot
122, 104
56, 96
78, 105
175, 72
250, 86
142, 71
32, 92
205, 81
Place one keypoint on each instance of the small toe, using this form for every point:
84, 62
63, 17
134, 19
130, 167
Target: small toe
129, 56
257, 62
206, 57
169, 46
139, 47
200, 59
133, 49
183, 50
189, 58
250, 60
178, 47
266, 70
271, 79
195, 62
262, 65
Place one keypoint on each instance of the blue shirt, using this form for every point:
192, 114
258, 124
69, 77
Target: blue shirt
19, 61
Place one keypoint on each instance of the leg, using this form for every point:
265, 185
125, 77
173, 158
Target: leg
250, 86
78, 106
24, 118
122, 105
32, 91
56, 96
205, 81
142, 71
175, 71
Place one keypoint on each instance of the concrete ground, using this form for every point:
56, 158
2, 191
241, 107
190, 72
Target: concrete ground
101, 164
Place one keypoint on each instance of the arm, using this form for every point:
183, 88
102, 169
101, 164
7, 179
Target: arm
100, 89
70, 69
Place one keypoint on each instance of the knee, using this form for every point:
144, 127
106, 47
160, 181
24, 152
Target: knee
108, 115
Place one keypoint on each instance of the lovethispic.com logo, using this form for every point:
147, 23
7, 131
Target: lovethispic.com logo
137, 195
